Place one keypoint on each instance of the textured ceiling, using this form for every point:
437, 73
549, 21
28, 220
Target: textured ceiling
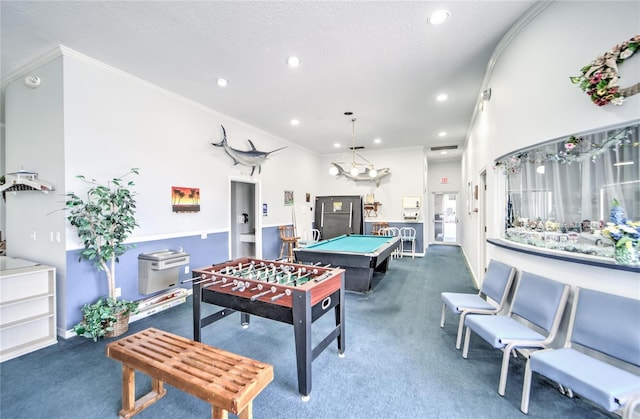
380, 60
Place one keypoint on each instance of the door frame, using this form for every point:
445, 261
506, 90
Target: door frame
431, 229
482, 205
257, 213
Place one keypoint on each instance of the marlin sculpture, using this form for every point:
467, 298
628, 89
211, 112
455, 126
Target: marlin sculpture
252, 158
362, 177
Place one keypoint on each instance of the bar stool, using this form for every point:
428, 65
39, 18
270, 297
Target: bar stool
289, 240
408, 234
394, 232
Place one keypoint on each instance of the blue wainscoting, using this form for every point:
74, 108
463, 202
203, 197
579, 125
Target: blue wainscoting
84, 284
271, 243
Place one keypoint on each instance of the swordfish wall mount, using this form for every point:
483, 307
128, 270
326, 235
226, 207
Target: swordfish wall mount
252, 158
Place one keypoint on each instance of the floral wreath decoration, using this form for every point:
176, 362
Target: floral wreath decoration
599, 79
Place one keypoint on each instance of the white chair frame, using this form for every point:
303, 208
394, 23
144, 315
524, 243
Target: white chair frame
393, 232
529, 322
490, 299
408, 234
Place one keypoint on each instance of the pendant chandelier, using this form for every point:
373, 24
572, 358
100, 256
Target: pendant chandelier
353, 167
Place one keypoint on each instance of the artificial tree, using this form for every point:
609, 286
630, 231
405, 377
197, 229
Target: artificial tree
103, 220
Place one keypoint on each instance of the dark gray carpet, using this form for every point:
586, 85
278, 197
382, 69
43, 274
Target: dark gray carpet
399, 363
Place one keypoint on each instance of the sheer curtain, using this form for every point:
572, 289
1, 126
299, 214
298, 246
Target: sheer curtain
574, 181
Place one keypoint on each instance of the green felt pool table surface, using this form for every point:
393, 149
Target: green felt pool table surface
353, 243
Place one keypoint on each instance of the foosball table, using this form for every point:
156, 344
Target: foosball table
286, 292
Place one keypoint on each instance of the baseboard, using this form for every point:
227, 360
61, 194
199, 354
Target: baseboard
153, 305
471, 271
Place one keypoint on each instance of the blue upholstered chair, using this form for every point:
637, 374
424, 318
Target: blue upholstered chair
531, 322
604, 329
491, 298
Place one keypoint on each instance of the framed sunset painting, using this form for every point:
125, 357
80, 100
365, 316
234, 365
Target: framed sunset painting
185, 199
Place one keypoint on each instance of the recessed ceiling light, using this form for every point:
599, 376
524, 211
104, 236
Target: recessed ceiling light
442, 134
377, 140
295, 122
221, 82
337, 145
293, 61
438, 17
442, 97
444, 152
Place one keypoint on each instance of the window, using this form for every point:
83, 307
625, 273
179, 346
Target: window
579, 194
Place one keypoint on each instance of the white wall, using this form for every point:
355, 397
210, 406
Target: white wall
3, 228
34, 142
406, 179
115, 122
91, 119
534, 101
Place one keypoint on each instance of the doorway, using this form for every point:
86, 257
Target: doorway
445, 218
245, 231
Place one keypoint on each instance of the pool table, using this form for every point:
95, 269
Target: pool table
360, 256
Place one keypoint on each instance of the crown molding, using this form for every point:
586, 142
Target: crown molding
32, 65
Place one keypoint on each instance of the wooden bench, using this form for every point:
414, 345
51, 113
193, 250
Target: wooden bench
227, 381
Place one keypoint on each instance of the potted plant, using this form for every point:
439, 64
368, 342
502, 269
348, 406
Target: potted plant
103, 318
103, 220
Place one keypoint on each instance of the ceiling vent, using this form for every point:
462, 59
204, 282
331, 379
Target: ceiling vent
444, 147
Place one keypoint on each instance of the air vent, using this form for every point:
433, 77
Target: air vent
358, 147
444, 147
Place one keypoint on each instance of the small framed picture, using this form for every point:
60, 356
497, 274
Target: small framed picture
185, 199
288, 197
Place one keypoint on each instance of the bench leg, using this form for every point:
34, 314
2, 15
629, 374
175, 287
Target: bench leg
128, 389
247, 412
218, 413
131, 406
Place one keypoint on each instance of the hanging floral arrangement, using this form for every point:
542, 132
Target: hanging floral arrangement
599, 79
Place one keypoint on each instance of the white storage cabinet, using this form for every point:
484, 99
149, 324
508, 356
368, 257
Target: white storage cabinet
27, 307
